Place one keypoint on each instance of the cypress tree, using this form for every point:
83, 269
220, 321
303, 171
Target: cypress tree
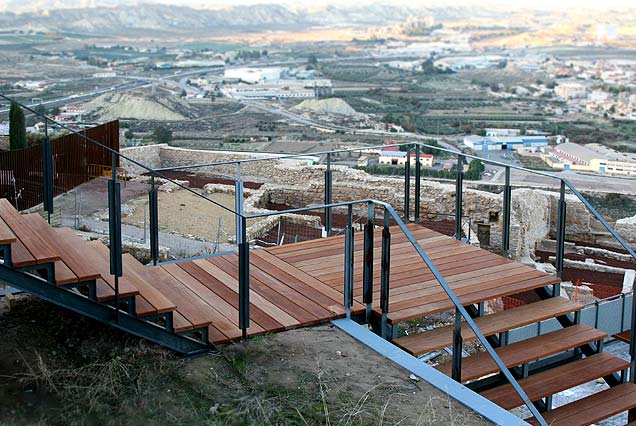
17, 127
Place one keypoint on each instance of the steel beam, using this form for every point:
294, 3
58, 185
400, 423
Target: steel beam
385, 273
328, 196
107, 314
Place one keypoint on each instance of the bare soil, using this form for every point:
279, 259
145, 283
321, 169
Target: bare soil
57, 368
184, 213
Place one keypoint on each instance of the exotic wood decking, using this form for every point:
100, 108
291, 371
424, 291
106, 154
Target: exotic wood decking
301, 284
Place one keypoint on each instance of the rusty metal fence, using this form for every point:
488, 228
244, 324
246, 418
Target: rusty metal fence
74, 162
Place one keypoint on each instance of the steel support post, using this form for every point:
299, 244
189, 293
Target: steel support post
407, 187
328, 196
506, 215
560, 237
114, 228
632, 341
244, 281
348, 263
367, 272
153, 202
459, 192
47, 173
418, 175
457, 348
385, 273
238, 205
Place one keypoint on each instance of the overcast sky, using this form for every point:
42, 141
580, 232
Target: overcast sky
21, 5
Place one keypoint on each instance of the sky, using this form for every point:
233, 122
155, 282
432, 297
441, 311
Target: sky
21, 5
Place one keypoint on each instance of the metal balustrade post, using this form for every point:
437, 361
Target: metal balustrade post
114, 228
506, 215
418, 175
238, 205
244, 280
560, 237
348, 262
456, 367
47, 173
632, 342
328, 196
407, 186
459, 192
367, 272
153, 202
385, 273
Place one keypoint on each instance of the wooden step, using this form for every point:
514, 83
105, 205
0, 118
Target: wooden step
442, 337
557, 379
527, 351
593, 408
31, 249
71, 254
6, 234
105, 285
193, 313
149, 301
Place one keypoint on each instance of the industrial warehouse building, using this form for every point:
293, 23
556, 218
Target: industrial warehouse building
591, 158
496, 143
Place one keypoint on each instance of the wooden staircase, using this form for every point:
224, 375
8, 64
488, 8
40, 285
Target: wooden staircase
160, 309
544, 365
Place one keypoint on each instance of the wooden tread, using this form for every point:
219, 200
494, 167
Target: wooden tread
71, 254
527, 351
557, 379
6, 234
442, 337
593, 408
32, 249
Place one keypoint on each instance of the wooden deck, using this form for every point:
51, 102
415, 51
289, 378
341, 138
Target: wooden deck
302, 284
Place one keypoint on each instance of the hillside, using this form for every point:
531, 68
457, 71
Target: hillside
331, 106
112, 106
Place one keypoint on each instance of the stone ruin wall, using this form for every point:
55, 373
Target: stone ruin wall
534, 212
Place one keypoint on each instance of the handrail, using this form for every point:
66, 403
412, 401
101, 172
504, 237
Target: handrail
440, 279
115, 152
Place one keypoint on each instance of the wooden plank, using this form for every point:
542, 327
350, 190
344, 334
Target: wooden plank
513, 285
224, 316
276, 292
40, 250
310, 297
180, 323
258, 315
337, 308
557, 379
441, 337
189, 305
67, 245
256, 300
63, 274
593, 408
104, 293
6, 234
138, 273
526, 351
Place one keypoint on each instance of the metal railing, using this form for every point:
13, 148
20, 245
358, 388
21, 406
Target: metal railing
389, 213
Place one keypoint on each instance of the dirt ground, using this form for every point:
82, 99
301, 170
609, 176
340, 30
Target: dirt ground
184, 213
60, 369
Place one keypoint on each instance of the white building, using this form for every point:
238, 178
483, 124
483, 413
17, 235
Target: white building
391, 155
570, 90
253, 75
282, 89
510, 143
502, 132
